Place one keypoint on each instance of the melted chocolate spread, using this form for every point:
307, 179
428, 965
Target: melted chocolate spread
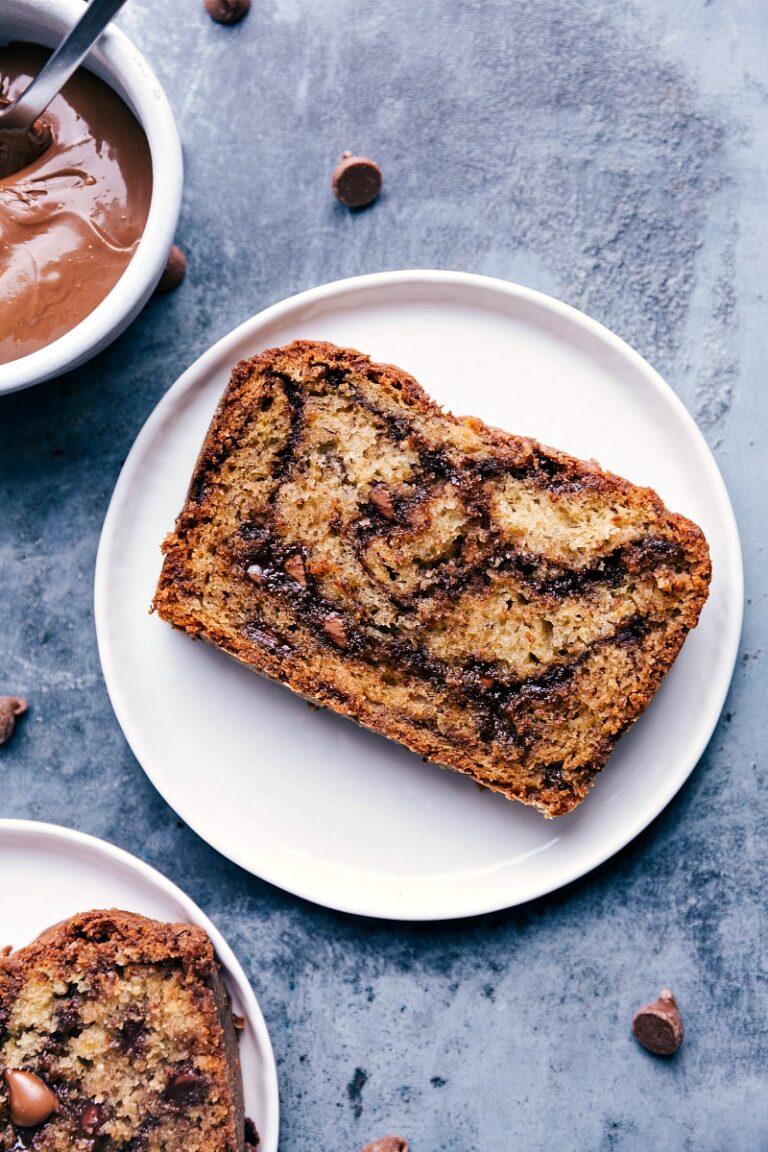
70, 222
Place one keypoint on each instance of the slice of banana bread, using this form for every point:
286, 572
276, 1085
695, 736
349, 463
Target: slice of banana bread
497, 606
116, 1034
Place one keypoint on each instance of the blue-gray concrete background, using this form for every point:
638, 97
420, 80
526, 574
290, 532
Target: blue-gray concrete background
615, 155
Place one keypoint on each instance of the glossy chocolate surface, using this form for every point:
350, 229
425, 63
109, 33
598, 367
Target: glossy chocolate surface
70, 222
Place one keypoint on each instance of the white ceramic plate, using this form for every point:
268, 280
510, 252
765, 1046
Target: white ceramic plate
48, 873
310, 801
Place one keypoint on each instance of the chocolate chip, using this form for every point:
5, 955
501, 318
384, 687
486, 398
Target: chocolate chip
227, 11
267, 637
383, 501
252, 1139
68, 1018
356, 181
30, 1101
294, 566
388, 1144
184, 1088
91, 1120
174, 272
10, 708
659, 1026
254, 528
333, 626
130, 1037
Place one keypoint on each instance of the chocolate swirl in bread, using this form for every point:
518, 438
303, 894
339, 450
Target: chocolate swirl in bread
499, 607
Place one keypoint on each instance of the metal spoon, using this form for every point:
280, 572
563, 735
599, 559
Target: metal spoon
21, 139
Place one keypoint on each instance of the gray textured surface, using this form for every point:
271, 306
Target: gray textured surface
616, 156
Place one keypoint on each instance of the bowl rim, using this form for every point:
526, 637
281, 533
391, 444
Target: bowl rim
116, 60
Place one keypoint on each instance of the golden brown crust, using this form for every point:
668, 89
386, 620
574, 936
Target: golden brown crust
447, 549
111, 935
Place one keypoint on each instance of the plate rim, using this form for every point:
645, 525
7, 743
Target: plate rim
45, 831
273, 313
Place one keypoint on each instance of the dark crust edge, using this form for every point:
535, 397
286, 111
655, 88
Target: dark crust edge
232, 413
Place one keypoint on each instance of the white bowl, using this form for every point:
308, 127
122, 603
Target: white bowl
115, 60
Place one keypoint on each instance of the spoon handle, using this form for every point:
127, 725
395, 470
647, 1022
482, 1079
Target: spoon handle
58, 69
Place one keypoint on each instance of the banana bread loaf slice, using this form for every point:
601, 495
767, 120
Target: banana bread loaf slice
116, 1033
499, 607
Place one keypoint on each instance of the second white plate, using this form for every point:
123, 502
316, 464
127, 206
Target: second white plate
48, 874
310, 801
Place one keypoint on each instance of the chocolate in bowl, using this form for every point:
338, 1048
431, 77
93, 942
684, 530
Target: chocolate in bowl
116, 60
71, 221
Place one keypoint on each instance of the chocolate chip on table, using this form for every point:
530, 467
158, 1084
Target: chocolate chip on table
227, 11
388, 1144
10, 708
174, 272
356, 181
30, 1100
659, 1026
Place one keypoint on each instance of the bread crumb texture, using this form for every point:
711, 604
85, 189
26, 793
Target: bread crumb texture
497, 606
